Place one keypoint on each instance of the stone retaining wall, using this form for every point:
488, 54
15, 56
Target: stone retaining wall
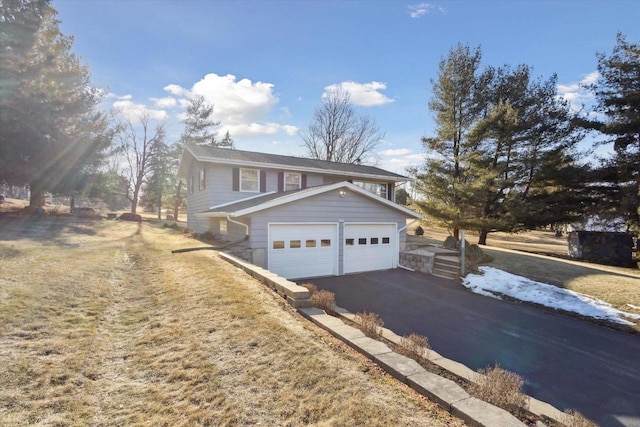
422, 262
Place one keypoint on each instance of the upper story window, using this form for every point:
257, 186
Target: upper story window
292, 181
202, 183
373, 187
250, 180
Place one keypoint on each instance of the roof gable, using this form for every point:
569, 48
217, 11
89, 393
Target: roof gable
251, 205
277, 161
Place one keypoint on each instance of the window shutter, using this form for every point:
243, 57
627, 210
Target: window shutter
263, 181
236, 179
390, 188
303, 182
280, 182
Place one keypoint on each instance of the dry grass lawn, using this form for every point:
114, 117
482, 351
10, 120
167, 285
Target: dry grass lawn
101, 325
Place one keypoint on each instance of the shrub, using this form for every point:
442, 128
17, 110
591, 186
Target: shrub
324, 300
450, 243
419, 231
127, 216
370, 324
501, 388
311, 287
576, 419
475, 256
414, 346
207, 236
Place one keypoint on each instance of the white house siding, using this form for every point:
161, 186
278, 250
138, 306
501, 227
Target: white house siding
219, 191
198, 201
326, 207
222, 179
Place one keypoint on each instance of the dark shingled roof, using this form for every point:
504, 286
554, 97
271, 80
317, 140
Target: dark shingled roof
204, 153
251, 202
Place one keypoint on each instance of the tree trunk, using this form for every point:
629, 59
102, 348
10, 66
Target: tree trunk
482, 240
456, 233
134, 201
176, 207
36, 199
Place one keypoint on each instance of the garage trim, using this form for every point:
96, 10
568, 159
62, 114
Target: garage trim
304, 253
357, 252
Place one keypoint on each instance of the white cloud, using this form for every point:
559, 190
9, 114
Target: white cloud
397, 160
236, 102
418, 10
253, 129
166, 102
396, 152
364, 94
285, 113
133, 112
578, 93
241, 106
176, 90
591, 78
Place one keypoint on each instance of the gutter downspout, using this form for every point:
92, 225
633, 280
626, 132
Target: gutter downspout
246, 227
215, 248
400, 230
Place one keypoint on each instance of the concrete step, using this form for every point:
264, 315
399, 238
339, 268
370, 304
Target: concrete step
446, 274
447, 260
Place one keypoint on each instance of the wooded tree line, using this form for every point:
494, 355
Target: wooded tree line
504, 156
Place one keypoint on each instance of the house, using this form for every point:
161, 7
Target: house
300, 217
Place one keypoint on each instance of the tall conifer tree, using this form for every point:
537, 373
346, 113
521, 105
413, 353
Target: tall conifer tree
51, 131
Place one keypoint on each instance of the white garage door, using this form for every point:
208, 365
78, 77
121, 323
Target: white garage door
369, 247
303, 250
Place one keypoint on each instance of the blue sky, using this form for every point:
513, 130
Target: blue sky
266, 64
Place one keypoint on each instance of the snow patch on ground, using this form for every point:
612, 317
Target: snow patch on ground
494, 282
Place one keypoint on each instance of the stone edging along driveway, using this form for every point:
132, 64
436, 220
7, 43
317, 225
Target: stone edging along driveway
443, 391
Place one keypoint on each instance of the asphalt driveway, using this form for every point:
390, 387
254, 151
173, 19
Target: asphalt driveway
567, 362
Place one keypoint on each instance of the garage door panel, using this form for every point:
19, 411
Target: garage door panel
369, 247
303, 250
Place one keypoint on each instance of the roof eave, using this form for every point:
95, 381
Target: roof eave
324, 189
324, 171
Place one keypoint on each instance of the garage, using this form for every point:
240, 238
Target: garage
298, 250
369, 246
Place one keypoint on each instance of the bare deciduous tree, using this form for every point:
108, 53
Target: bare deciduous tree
136, 141
337, 133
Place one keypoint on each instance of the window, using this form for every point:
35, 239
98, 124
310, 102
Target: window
223, 227
373, 187
292, 181
310, 244
250, 180
201, 180
191, 185
325, 243
385, 240
278, 244
294, 244
362, 241
349, 242
374, 240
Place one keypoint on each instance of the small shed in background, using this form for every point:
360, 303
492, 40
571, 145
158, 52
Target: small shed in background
602, 247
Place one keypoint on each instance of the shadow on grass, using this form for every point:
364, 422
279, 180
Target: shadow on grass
548, 270
46, 229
